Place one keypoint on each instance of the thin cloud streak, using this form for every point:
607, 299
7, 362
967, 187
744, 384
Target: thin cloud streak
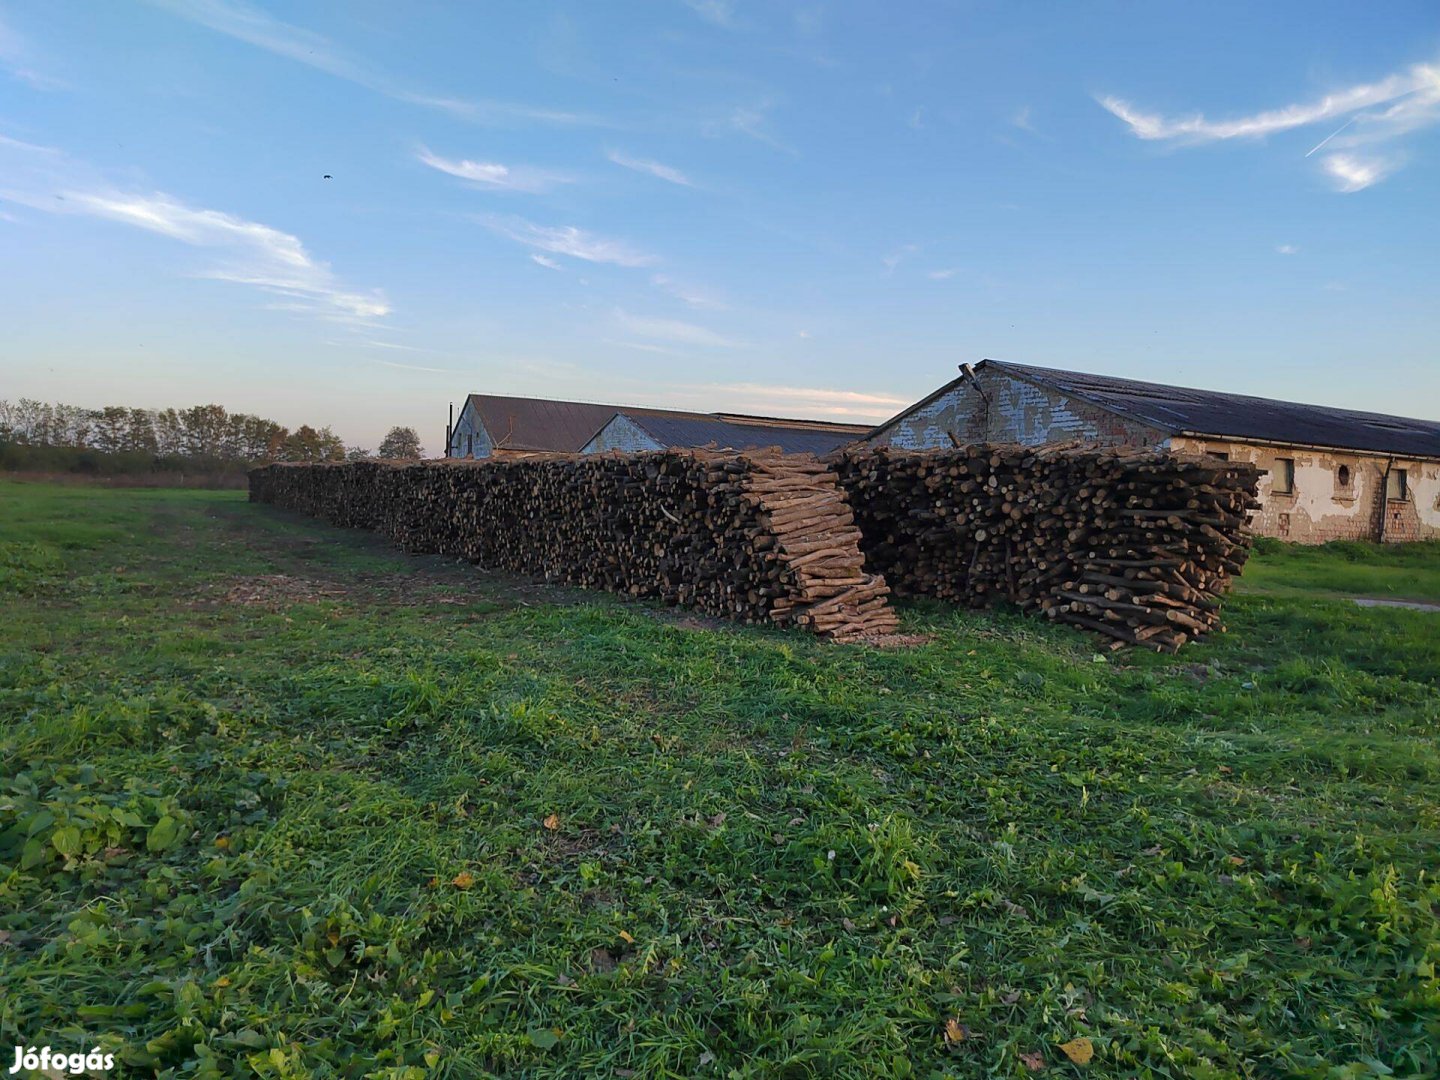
493, 175
1410, 100
567, 240
1153, 126
750, 121
15, 61
256, 254
673, 330
718, 12
254, 27
847, 405
654, 168
688, 294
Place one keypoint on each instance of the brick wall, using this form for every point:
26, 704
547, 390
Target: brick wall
1017, 412
1336, 496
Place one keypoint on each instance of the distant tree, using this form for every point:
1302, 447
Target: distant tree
332, 447
401, 442
108, 427
140, 431
307, 444
357, 453
203, 430
169, 433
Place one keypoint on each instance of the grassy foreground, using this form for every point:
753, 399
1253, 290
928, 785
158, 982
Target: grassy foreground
276, 800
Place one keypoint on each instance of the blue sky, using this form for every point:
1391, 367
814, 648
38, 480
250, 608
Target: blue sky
806, 209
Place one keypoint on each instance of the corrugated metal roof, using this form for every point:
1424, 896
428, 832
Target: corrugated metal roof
540, 424
1182, 410
679, 430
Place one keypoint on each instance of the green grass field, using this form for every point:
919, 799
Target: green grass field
279, 801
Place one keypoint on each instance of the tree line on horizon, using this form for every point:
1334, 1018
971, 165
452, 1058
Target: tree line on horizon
201, 433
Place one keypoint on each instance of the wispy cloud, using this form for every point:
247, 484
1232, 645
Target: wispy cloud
896, 257
718, 12
250, 253
752, 121
17, 60
255, 27
942, 275
418, 367
545, 261
567, 240
654, 168
493, 175
1377, 112
1354, 173
1287, 249
1021, 119
672, 330
642, 346
797, 400
258, 255
689, 294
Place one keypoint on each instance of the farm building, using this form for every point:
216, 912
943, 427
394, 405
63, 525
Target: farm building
492, 425
1331, 474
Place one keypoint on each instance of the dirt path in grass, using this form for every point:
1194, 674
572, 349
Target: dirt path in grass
1412, 605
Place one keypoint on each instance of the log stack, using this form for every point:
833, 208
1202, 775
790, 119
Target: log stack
757, 537
1136, 545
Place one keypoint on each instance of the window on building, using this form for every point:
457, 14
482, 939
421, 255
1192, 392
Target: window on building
1342, 476
1397, 484
1218, 455
1282, 476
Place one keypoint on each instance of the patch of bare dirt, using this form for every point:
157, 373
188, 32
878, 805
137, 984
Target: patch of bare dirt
279, 590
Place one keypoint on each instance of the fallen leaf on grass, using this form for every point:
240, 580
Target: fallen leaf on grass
552, 822
463, 880
1152, 850
1080, 1051
955, 1031
542, 1038
1034, 1062
625, 937
1010, 998
1236, 860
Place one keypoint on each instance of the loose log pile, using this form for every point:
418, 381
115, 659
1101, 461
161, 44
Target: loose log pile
758, 537
1135, 545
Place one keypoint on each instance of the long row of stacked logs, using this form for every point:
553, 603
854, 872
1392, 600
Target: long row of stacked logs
758, 537
1136, 545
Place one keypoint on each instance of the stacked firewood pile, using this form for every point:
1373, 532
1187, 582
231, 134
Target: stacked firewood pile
1135, 545
757, 537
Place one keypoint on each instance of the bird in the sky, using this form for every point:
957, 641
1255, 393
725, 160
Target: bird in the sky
327, 176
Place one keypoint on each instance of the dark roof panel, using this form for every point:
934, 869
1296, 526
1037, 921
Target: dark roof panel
680, 430
519, 423
538, 424
1179, 409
